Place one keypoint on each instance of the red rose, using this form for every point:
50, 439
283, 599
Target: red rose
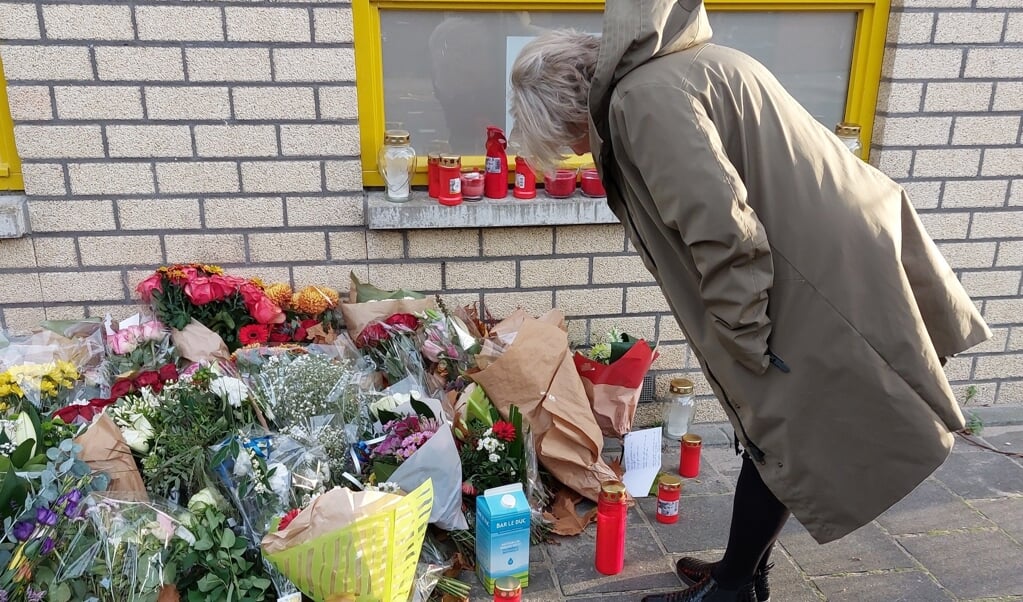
121, 388
253, 334
168, 373
372, 334
286, 520
146, 288
150, 378
279, 336
232, 282
266, 311
202, 290
69, 414
504, 430
302, 331
250, 293
403, 321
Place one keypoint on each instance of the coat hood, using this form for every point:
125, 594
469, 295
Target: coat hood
636, 31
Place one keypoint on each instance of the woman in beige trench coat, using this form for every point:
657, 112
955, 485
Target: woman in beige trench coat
819, 309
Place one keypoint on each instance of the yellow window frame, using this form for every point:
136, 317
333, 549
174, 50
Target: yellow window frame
10, 165
861, 99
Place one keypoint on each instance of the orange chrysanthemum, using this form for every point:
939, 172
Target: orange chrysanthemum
211, 269
258, 283
280, 293
314, 300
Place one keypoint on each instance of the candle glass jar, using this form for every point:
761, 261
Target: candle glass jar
472, 185
689, 458
396, 161
560, 184
679, 410
669, 491
450, 180
849, 134
612, 511
508, 589
589, 181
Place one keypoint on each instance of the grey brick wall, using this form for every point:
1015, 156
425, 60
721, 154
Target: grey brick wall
227, 132
950, 128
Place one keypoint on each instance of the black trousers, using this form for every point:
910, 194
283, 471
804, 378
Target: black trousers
757, 519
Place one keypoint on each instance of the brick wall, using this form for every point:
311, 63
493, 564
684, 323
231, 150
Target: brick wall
949, 129
227, 132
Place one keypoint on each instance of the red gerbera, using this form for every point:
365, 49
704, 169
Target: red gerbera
504, 430
253, 333
286, 520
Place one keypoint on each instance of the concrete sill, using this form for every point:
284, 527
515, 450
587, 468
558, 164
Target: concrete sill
422, 212
13, 216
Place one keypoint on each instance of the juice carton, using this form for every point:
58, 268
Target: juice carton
502, 535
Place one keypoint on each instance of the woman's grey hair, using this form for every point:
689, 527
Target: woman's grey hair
550, 85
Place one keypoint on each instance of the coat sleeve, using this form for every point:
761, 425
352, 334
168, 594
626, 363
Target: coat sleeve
675, 147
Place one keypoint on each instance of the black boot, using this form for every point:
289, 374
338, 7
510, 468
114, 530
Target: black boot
707, 590
692, 570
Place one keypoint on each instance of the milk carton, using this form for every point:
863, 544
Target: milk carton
502, 535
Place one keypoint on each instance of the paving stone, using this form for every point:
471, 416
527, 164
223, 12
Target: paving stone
1008, 438
1007, 513
725, 461
866, 549
930, 507
971, 565
541, 585
909, 586
981, 476
646, 566
788, 584
709, 481
702, 525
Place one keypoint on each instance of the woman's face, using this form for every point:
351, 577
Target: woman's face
582, 144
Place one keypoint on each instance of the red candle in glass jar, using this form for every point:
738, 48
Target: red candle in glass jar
450, 180
669, 490
560, 184
508, 589
689, 460
612, 510
591, 184
433, 174
472, 185
525, 180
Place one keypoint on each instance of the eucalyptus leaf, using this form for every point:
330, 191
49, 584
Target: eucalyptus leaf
52, 454
66, 446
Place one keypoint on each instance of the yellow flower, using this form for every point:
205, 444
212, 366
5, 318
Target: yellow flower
280, 293
47, 387
257, 281
5, 390
212, 269
314, 300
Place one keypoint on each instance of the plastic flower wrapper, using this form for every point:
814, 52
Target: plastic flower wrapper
352, 545
136, 344
392, 345
448, 345
139, 546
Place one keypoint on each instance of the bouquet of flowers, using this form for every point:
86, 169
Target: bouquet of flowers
226, 304
136, 346
449, 346
46, 386
612, 372
392, 345
492, 450
312, 314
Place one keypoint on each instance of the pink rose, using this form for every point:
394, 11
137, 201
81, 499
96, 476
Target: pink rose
123, 342
146, 287
152, 331
203, 290
266, 311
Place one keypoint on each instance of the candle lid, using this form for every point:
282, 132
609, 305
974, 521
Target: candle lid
682, 386
612, 491
450, 160
670, 482
507, 584
847, 129
397, 137
691, 439
433, 157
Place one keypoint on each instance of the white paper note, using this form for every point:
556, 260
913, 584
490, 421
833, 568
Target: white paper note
642, 460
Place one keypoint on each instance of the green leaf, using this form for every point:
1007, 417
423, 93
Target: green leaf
203, 544
386, 416
422, 409
227, 539
23, 453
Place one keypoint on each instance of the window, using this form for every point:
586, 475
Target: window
440, 68
10, 166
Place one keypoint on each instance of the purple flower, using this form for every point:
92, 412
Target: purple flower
23, 530
35, 595
74, 496
45, 516
3, 595
48, 545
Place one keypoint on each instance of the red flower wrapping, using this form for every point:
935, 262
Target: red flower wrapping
403, 321
373, 334
504, 430
287, 518
254, 333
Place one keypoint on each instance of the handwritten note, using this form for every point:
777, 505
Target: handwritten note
642, 460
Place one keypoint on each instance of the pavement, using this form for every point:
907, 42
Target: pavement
958, 536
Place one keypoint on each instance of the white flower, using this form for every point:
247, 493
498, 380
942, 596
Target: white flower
141, 425
230, 389
135, 440
495, 458
386, 404
205, 497
280, 481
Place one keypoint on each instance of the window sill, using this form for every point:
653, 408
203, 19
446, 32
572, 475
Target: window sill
422, 212
13, 216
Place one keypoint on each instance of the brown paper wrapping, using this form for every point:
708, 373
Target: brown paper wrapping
197, 343
329, 512
359, 315
536, 373
104, 450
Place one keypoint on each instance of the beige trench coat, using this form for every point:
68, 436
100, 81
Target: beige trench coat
765, 232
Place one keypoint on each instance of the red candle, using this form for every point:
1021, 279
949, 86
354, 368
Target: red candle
433, 174
525, 180
507, 589
591, 184
560, 184
689, 460
472, 185
612, 508
669, 490
450, 180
